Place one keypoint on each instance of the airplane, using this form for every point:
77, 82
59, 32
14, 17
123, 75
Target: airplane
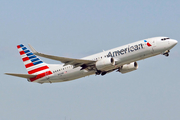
122, 59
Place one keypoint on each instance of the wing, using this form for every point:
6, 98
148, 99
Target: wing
21, 75
67, 61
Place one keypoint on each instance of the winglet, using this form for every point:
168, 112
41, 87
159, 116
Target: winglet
32, 49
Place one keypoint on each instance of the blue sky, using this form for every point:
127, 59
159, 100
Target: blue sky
80, 28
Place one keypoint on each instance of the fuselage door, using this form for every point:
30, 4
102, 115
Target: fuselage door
153, 45
47, 75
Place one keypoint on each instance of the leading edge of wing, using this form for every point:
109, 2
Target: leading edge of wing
70, 61
21, 75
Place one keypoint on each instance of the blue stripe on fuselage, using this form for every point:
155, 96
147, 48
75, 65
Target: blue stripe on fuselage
24, 48
29, 54
36, 63
36, 59
26, 51
21, 45
32, 57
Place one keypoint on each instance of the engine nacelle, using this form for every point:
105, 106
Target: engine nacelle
128, 67
103, 64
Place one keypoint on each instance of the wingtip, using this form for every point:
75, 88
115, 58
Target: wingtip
32, 49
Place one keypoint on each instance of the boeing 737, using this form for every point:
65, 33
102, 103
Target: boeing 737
122, 59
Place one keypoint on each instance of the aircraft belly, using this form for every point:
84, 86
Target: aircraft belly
77, 74
71, 75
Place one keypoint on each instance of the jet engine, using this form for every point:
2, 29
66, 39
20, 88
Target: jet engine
103, 64
128, 67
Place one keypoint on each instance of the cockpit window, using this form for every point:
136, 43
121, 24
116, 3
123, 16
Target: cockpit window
165, 38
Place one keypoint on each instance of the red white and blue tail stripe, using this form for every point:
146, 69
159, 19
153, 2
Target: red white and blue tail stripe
33, 64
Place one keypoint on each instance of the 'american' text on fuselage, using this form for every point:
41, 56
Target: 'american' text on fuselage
125, 50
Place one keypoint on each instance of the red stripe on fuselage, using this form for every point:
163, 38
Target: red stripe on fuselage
38, 69
25, 59
29, 65
22, 52
41, 75
18, 46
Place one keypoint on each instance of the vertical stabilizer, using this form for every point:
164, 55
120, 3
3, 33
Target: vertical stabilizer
33, 64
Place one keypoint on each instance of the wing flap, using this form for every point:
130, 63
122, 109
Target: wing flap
21, 75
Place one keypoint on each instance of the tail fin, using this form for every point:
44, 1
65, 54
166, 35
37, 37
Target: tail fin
33, 64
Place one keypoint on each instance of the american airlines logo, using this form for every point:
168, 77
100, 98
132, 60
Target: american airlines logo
148, 44
125, 50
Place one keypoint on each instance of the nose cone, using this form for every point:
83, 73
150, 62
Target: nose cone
174, 42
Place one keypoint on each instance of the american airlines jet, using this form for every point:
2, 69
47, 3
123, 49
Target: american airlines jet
122, 59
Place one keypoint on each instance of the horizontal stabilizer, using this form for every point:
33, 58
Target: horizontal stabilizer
21, 75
